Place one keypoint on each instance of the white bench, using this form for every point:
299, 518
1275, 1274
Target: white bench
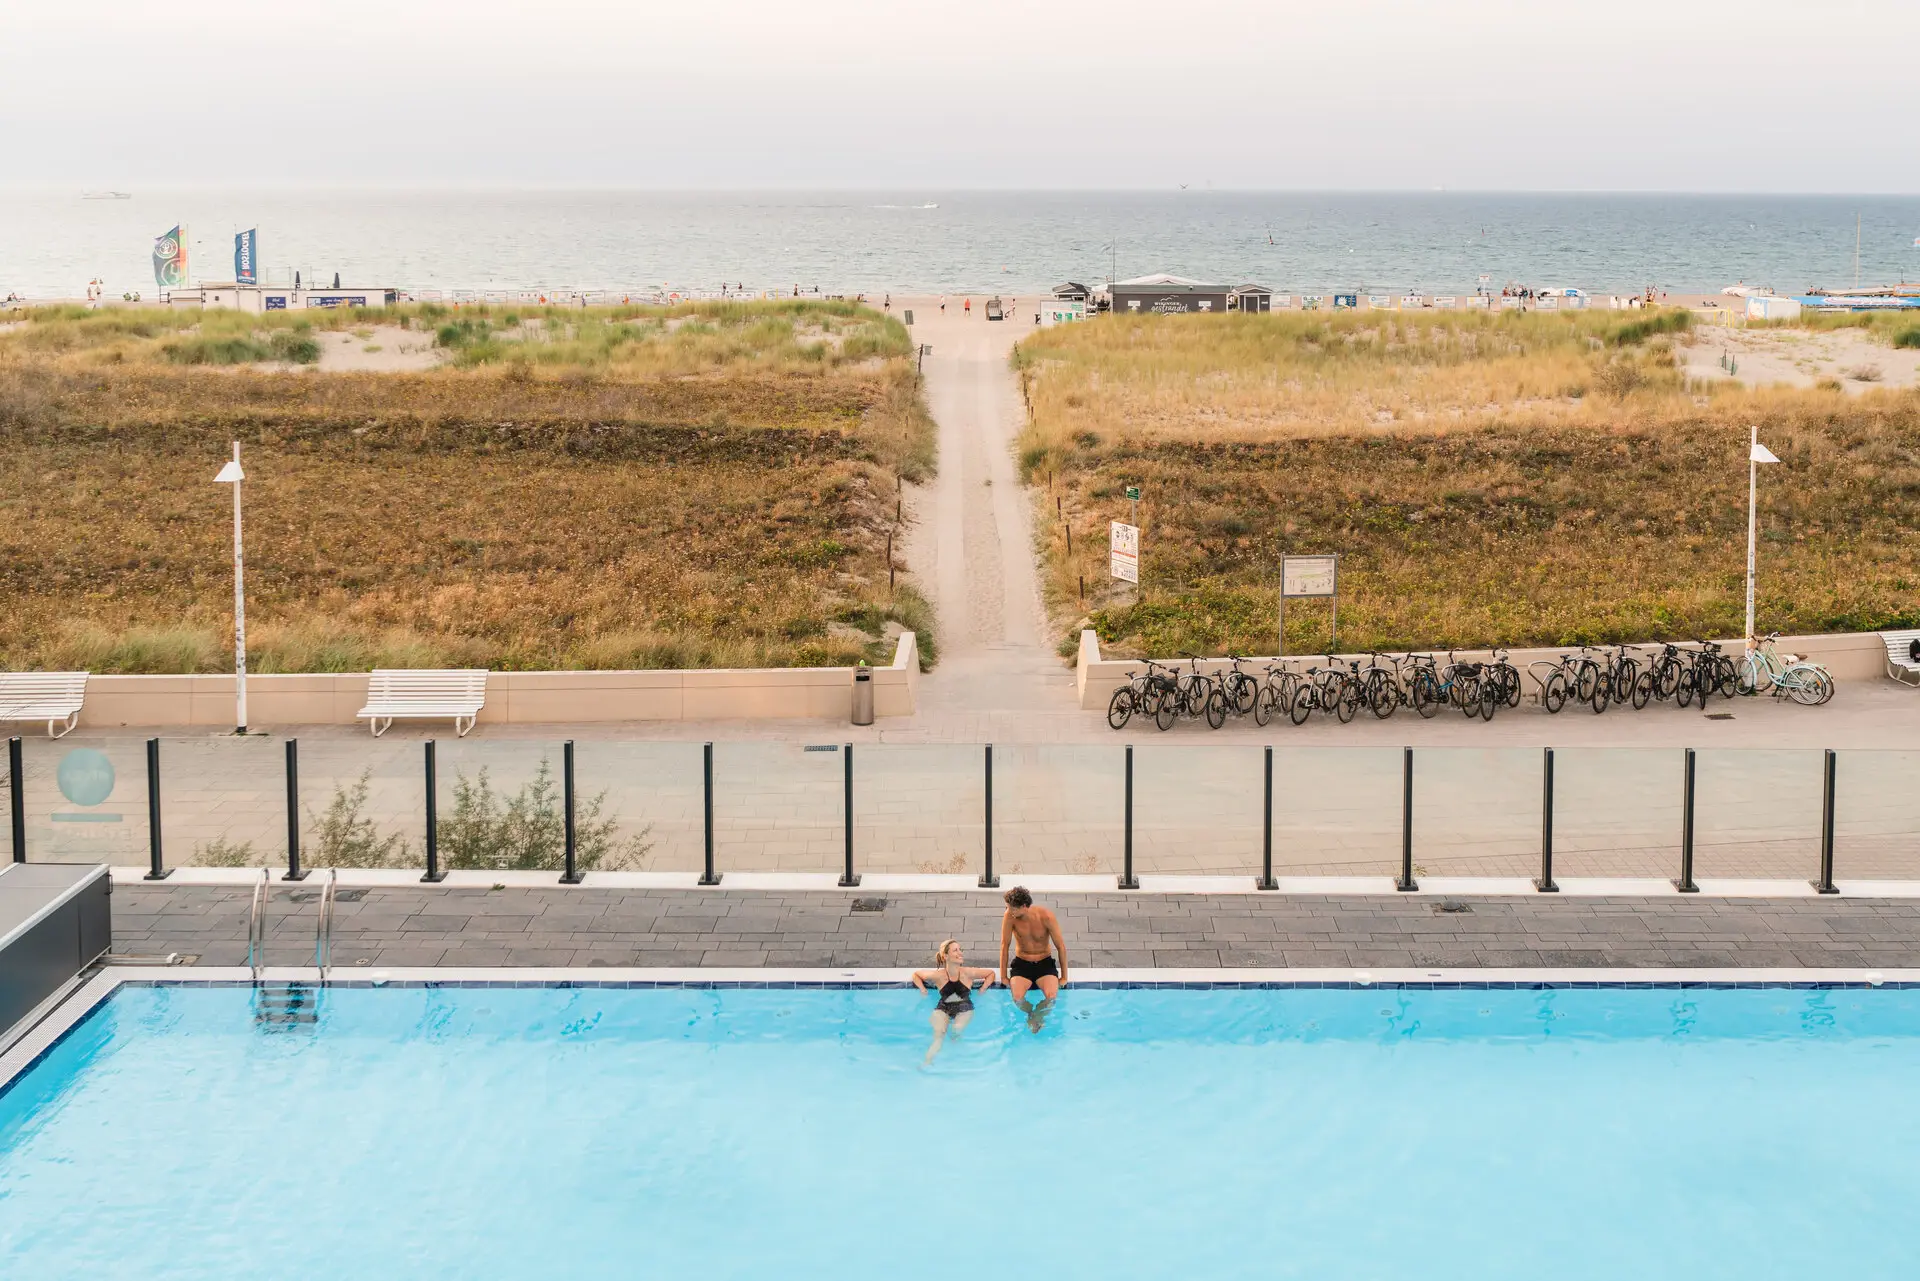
394, 693
53, 697
1901, 663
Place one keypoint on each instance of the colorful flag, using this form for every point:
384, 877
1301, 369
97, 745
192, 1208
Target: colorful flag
170, 259
246, 247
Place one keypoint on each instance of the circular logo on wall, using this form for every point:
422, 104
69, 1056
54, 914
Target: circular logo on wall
85, 776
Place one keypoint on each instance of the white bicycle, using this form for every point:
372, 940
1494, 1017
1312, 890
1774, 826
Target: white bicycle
1764, 669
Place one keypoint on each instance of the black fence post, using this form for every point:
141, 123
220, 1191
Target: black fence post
848, 878
571, 876
294, 871
1266, 881
157, 869
707, 875
988, 881
1126, 876
1825, 884
1406, 884
1545, 881
17, 785
1685, 881
434, 874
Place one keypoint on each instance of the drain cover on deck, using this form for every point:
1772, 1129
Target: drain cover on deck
1719, 716
869, 905
1449, 907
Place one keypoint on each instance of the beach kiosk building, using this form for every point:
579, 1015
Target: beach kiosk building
1173, 295
1250, 298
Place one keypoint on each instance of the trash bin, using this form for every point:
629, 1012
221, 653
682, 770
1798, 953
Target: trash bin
863, 695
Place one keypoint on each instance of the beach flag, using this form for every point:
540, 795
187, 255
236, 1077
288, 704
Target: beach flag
170, 259
246, 247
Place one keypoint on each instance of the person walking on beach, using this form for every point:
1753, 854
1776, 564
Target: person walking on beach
1034, 935
966, 306
953, 1004
943, 304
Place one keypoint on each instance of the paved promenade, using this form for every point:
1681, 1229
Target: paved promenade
610, 927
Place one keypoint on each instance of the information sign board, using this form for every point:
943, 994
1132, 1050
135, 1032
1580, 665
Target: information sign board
1124, 549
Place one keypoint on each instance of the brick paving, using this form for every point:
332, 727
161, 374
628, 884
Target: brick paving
422, 926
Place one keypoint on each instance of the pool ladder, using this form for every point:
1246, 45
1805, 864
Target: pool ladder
322, 932
289, 1004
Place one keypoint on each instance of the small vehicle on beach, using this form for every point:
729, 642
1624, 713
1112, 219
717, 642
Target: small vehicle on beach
995, 311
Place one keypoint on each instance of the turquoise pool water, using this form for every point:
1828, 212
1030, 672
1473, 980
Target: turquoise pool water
424, 1133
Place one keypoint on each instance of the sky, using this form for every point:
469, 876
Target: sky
1487, 95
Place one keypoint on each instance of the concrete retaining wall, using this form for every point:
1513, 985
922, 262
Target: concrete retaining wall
1849, 656
794, 693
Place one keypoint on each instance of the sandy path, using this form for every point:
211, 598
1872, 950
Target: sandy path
973, 536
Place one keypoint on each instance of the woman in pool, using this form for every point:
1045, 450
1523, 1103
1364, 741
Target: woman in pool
953, 1007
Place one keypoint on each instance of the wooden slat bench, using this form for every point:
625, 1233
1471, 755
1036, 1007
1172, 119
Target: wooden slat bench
397, 693
53, 697
1902, 664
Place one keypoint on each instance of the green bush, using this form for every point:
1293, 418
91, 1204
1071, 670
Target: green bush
527, 831
1638, 331
211, 349
1907, 337
343, 837
295, 346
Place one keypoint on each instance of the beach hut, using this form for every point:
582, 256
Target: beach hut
1168, 295
1072, 291
1250, 298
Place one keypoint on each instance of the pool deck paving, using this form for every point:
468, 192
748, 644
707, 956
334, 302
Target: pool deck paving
588, 927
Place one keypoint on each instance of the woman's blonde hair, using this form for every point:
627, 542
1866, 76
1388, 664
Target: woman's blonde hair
940, 953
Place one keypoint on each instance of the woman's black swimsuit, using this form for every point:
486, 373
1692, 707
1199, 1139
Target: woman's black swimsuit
956, 997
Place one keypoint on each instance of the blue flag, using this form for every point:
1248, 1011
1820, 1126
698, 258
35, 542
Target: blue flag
246, 261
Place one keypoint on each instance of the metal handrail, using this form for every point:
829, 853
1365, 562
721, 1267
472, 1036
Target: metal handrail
323, 930
257, 927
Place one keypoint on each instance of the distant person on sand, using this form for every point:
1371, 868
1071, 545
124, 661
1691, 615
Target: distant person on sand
943, 304
953, 1005
966, 306
1034, 935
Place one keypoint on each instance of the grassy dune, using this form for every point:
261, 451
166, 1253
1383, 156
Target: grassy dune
1488, 479
709, 486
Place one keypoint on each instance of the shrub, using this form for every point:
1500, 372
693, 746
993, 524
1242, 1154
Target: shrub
1907, 337
344, 837
295, 346
214, 349
527, 831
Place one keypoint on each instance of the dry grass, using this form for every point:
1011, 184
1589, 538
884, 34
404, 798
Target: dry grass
722, 504
1472, 502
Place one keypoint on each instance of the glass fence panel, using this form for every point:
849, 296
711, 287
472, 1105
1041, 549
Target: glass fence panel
363, 802
1756, 813
85, 799
1197, 810
778, 807
919, 808
1616, 812
637, 806
1058, 809
1876, 815
1476, 811
501, 806
223, 801
1336, 811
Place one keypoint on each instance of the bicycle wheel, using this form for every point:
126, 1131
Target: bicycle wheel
1264, 701
1300, 706
1120, 708
1346, 701
1492, 696
1246, 694
1602, 694
1553, 695
1726, 676
1666, 682
1383, 696
1216, 709
1807, 686
1510, 682
1587, 679
1625, 677
1426, 693
1754, 676
1683, 689
1165, 708
1642, 691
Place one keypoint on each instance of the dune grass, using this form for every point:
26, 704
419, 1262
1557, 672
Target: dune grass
1504, 479
726, 501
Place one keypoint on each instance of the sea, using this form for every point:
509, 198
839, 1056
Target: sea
929, 242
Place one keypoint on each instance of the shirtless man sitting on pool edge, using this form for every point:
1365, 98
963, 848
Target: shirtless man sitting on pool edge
1034, 933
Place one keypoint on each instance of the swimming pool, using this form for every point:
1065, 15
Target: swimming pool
1322, 1132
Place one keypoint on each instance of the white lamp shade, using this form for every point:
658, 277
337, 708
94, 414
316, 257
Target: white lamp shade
1761, 454
231, 474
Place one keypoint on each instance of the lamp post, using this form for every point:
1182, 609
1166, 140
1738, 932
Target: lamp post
232, 475
1757, 453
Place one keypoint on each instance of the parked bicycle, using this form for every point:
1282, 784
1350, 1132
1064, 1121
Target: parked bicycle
1765, 669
